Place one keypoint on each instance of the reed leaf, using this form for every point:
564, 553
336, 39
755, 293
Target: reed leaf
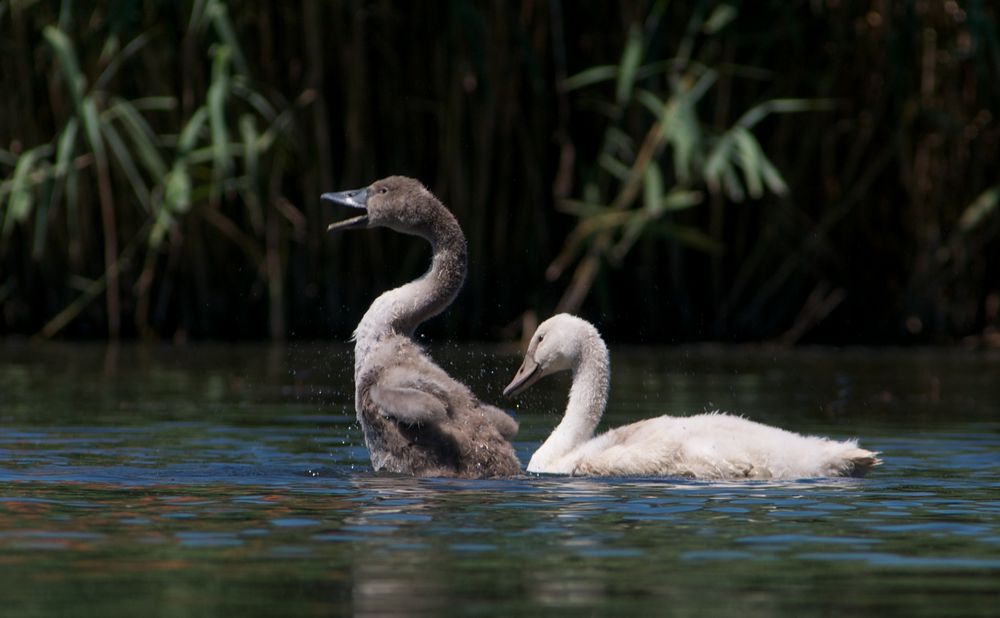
177, 198
614, 167
251, 159
218, 14
66, 147
717, 161
127, 163
591, 76
69, 67
199, 15
278, 128
176, 201
652, 189
109, 49
772, 177
65, 175
680, 199
190, 132
256, 100
650, 101
217, 94
619, 142
65, 14
92, 127
161, 225
982, 207
702, 85
21, 193
731, 183
654, 68
721, 17
688, 236
683, 133
632, 231
250, 137
628, 66
759, 112
679, 126
118, 59
748, 156
141, 135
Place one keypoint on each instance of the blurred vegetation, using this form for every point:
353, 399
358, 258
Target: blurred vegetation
728, 161
160, 165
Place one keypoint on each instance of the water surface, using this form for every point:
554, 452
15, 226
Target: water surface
209, 480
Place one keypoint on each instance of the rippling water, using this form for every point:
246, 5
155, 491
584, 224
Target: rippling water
211, 480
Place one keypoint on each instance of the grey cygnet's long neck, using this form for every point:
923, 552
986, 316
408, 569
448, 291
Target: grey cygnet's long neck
403, 309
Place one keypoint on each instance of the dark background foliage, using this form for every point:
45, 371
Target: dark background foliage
888, 231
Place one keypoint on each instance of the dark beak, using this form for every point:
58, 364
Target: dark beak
357, 198
528, 374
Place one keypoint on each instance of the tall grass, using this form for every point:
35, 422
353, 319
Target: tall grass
151, 173
659, 159
873, 239
160, 164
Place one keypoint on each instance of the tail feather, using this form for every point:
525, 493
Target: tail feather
859, 461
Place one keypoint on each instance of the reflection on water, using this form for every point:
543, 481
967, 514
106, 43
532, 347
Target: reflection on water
223, 480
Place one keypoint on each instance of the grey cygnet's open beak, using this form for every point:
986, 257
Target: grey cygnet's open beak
358, 198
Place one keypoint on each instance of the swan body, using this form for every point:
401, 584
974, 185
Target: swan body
713, 446
416, 418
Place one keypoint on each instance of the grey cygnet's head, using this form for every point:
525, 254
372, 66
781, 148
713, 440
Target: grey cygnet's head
397, 202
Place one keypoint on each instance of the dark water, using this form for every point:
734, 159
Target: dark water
233, 481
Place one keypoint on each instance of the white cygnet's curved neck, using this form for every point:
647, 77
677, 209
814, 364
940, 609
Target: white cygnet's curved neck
587, 399
401, 310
